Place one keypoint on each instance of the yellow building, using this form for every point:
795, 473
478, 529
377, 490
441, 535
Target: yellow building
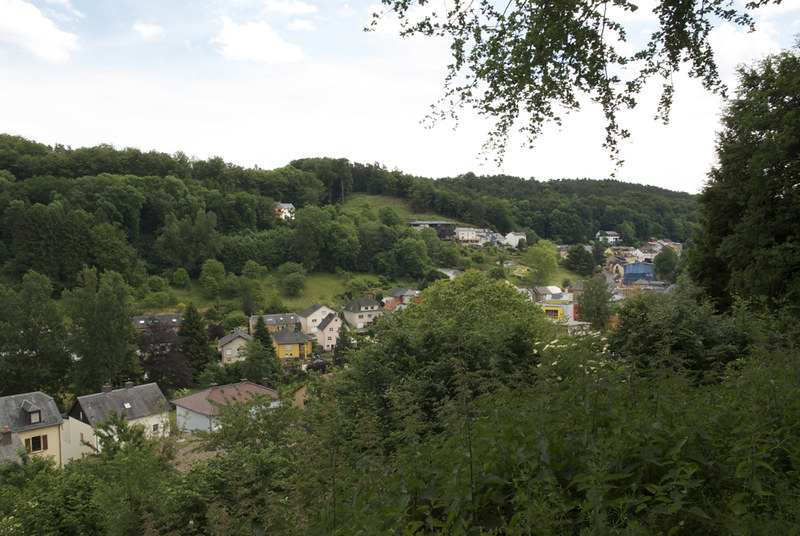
292, 347
30, 421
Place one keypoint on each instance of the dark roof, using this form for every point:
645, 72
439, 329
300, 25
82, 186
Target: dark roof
290, 336
207, 401
144, 321
15, 411
135, 400
358, 304
327, 320
277, 319
311, 310
236, 333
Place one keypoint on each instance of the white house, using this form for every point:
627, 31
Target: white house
141, 404
231, 346
201, 410
512, 239
311, 318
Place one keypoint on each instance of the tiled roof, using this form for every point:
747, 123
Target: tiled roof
207, 401
135, 400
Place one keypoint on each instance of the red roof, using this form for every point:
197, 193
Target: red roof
207, 401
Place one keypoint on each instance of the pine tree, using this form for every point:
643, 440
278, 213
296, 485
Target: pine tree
196, 345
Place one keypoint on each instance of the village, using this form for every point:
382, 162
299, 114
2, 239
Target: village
303, 341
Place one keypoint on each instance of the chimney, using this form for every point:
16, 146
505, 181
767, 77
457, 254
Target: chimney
106, 388
214, 384
265, 382
128, 384
6, 437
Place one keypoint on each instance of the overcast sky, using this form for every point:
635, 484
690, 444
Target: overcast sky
262, 82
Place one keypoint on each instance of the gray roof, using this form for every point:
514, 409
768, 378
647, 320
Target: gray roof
325, 321
311, 310
144, 321
358, 304
15, 411
135, 400
236, 333
401, 291
10, 452
290, 336
277, 319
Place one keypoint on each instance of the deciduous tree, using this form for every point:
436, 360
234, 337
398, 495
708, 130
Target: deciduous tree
748, 242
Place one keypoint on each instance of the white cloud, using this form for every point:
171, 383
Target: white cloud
23, 24
148, 31
302, 25
66, 6
255, 41
290, 7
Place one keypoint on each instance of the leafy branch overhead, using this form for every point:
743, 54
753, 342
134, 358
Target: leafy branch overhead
525, 63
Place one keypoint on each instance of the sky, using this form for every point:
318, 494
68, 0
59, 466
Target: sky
264, 82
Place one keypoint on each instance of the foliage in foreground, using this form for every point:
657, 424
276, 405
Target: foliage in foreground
432, 429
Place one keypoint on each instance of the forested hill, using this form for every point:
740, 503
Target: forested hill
62, 208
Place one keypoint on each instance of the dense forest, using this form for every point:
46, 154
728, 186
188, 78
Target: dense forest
150, 213
467, 413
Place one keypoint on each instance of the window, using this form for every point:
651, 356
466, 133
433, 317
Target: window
36, 416
126, 405
329, 338
313, 320
228, 351
155, 427
287, 347
360, 316
36, 443
330, 329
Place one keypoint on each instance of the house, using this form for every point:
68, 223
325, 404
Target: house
638, 270
30, 421
292, 347
468, 236
541, 293
476, 237
615, 265
230, 347
399, 298
285, 210
444, 229
201, 410
558, 307
576, 289
311, 318
361, 312
143, 323
326, 332
275, 322
140, 404
563, 251
512, 239
612, 237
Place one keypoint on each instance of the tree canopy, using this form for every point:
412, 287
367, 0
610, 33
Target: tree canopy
747, 245
522, 63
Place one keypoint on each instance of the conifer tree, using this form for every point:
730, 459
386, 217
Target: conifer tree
195, 345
